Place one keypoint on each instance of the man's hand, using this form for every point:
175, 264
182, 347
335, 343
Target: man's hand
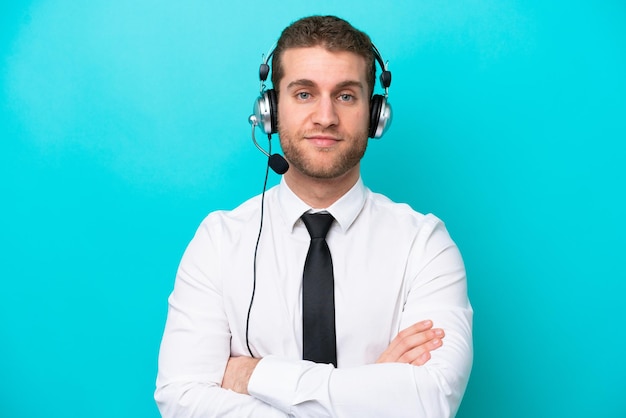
413, 344
238, 372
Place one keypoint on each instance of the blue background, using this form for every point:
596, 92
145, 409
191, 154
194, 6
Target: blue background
122, 124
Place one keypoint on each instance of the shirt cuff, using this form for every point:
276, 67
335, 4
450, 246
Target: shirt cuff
276, 380
273, 381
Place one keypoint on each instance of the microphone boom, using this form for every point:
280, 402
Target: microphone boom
276, 161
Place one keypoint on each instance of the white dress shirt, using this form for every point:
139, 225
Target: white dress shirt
393, 267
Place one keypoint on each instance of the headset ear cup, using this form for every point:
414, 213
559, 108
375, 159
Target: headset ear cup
380, 116
264, 112
273, 104
375, 106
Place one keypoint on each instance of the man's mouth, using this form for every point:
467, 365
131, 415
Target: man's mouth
321, 140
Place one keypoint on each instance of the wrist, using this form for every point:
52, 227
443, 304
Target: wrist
238, 372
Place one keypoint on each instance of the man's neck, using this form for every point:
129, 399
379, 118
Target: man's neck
321, 193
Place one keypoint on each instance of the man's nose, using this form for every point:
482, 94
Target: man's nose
325, 113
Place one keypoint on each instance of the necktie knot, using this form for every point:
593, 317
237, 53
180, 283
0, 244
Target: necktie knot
317, 224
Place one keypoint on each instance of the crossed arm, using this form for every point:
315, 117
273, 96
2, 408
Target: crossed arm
412, 345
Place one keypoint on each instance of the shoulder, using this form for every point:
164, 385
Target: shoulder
401, 214
243, 217
237, 220
423, 234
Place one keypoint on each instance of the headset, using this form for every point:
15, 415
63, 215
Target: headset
265, 109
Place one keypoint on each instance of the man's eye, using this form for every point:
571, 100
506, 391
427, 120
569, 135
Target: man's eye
304, 95
346, 97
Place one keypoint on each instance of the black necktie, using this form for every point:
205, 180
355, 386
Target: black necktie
318, 294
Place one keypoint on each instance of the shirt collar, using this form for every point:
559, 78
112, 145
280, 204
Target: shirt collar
344, 210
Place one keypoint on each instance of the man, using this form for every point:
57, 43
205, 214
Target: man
399, 280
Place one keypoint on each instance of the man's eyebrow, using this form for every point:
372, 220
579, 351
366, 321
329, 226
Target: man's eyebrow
350, 83
303, 82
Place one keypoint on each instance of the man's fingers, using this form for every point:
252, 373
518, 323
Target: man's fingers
409, 332
417, 328
418, 356
407, 342
414, 344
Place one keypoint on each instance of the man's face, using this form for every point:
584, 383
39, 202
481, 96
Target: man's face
323, 111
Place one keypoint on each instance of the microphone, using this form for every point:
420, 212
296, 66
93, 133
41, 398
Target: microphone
276, 161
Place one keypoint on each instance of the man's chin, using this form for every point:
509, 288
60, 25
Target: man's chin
325, 171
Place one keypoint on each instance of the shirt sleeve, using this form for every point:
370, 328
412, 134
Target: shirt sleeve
436, 290
196, 342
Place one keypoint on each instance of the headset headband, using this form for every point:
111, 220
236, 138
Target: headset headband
385, 76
